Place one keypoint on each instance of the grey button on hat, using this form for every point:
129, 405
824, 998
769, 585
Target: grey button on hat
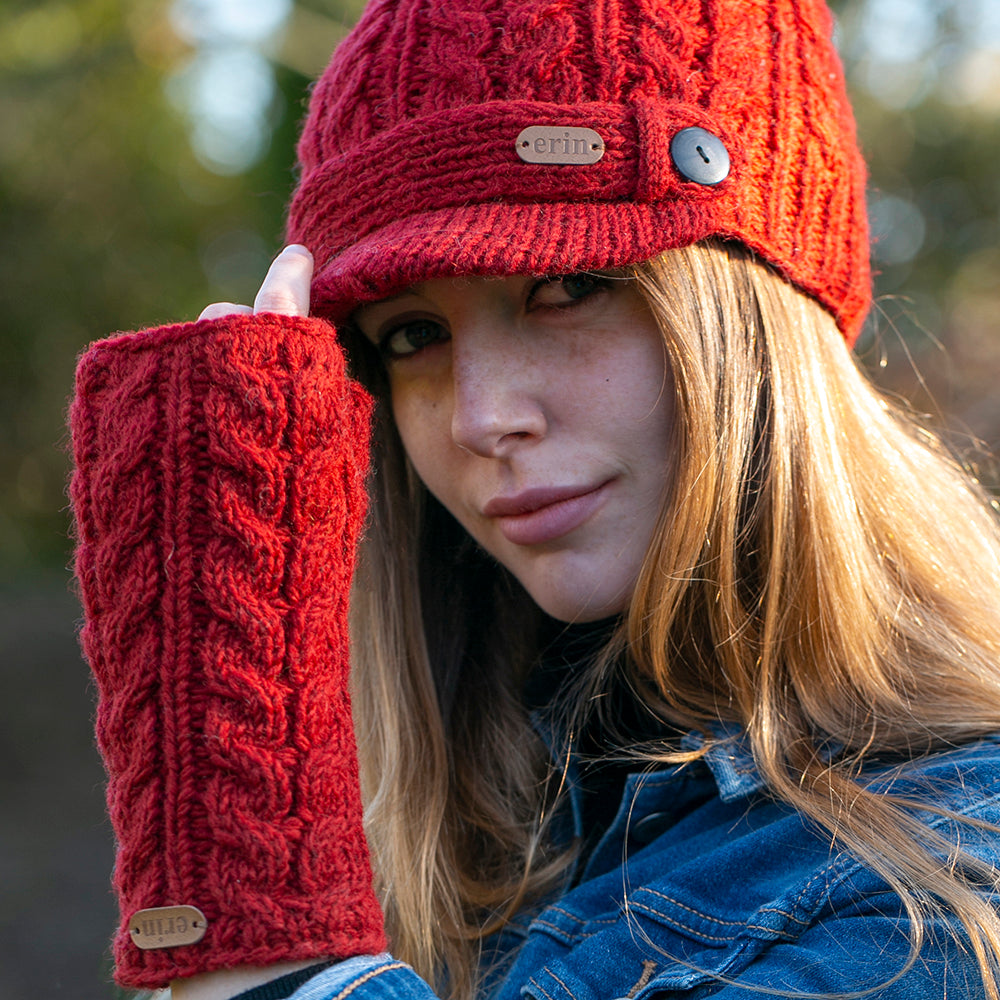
700, 156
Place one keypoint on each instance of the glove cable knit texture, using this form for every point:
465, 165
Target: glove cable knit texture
219, 495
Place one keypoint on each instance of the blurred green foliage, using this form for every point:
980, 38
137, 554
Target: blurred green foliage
111, 221
925, 83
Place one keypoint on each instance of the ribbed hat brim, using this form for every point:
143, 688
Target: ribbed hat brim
548, 238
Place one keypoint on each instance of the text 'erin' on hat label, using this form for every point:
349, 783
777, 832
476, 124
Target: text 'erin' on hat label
559, 144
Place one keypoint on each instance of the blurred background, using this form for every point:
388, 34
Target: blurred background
146, 153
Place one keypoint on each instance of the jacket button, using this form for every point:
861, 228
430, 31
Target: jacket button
700, 156
645, 830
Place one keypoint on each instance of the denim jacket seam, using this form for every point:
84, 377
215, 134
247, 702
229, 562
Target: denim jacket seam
774, 931
538, 986
575, 935
739, 926
689, 909
560, 932
784, 913
663, 915
567, 913
852, 866
722, 939
849, 865
560, 982
371, 974
682, 925
581, 920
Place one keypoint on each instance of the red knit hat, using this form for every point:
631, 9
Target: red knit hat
415, 162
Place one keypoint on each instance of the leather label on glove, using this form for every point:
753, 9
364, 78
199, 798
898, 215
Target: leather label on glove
167, 927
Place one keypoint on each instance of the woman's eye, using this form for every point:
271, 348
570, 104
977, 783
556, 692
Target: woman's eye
408, 338
566, 289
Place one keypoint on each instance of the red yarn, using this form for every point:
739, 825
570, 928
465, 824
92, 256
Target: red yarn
409, 171
219, 494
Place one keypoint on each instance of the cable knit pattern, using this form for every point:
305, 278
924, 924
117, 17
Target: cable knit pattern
219, 494
409, 169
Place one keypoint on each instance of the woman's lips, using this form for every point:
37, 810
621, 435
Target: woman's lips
542, 515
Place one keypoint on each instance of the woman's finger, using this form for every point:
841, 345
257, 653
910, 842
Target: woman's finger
219, 309
286, 288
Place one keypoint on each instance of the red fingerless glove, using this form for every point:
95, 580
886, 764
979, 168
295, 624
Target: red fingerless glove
218, 495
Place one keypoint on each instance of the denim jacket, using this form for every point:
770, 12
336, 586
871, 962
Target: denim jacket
703, 881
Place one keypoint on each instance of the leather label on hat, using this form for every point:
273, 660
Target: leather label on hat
167, 927
559, 144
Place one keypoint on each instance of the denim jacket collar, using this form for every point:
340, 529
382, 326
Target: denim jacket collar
729, 759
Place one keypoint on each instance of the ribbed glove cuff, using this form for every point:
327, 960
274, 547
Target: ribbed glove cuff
219, 495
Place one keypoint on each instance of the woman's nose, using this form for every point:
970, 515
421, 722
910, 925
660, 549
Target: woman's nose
497, 394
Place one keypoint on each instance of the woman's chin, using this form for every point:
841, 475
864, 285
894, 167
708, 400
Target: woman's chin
585, 606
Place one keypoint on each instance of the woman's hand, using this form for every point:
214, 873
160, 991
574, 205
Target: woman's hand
285, 289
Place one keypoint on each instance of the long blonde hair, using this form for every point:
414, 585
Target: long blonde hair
808, 580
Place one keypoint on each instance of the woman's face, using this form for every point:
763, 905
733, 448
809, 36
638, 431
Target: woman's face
539, 412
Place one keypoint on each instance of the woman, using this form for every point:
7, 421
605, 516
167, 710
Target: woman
674, 647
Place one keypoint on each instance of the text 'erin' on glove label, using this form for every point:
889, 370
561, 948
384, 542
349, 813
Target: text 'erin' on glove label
167, 927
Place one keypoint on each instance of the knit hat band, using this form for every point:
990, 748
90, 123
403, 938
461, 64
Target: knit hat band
468, 154
450, 172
